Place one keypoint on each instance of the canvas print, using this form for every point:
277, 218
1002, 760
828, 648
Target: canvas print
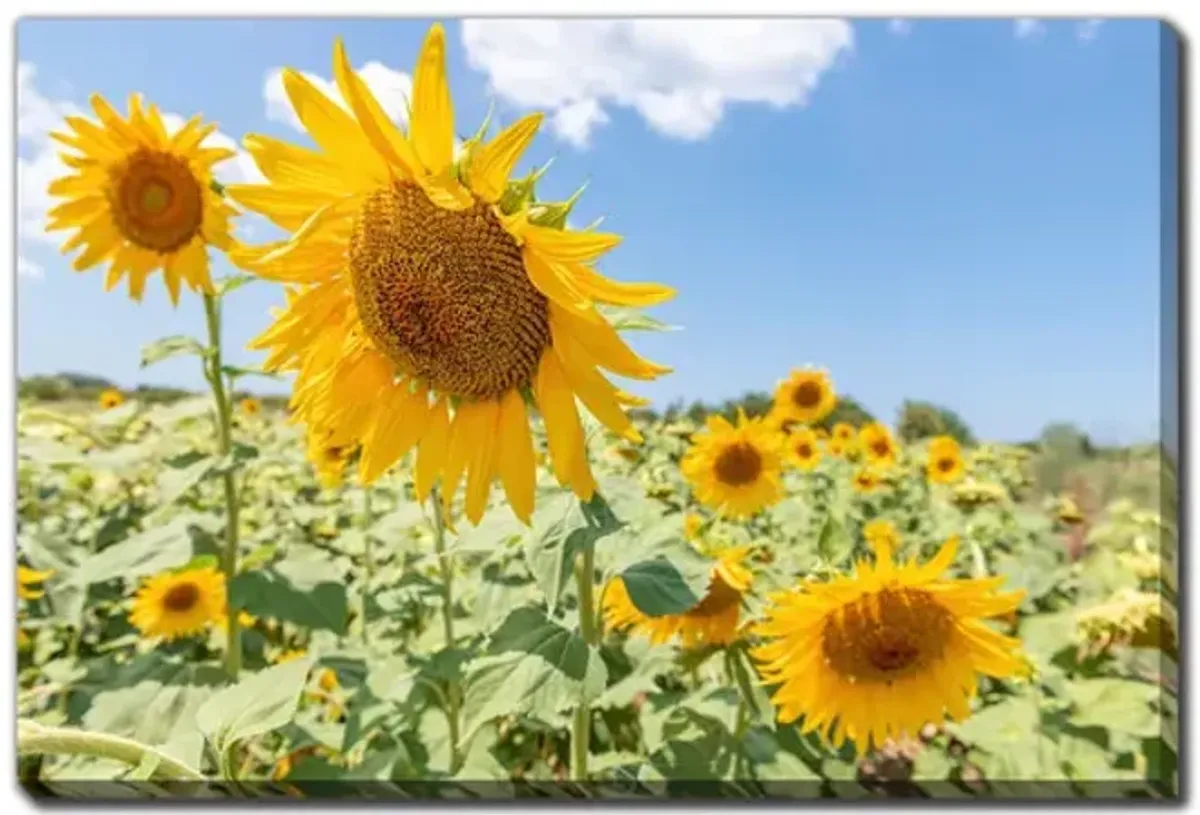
597, 408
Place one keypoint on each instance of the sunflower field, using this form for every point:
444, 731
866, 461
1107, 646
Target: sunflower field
458, 565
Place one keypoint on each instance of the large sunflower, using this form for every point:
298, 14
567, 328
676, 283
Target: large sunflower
877, 445
141, 198
944, 464
735, 470
713, 621
436, 303
178, 604
881, 653
804, 449
806, 396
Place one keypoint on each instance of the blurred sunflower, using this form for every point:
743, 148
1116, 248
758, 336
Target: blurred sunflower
806, 396
434, 296
843, 432
1068, 511
804, 450
328, 458
865, 480
713, 621
250, 406
779, 421
945, 461
110, 398
178, 604
835, 447
142, 199
289, 655
881, 653
245, 620
692, 524
877, 445
28, 580
881, 532
1130, 618
735, 470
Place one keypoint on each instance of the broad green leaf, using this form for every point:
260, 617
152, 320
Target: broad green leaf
233, 283
1121, 705
533, 666
551, 549
834, 544
671, 582
258, 704
267, 593
168, 347
155, 550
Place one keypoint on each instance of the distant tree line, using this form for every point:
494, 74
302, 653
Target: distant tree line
69, 386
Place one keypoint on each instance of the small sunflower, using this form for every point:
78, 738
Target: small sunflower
289, 655
945, 461
692, 524
28, 580
806, 396
110, 398
435, 301
142, 199
250, 406
714, 621
245, 620
883, 652
877, 445
804, 449
843, 432
835, 447
328, 457
735, 470
865, 480
179, 604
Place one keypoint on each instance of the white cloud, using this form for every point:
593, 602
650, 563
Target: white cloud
392, 88
27, 268
1089, 29
679, 75
1028, 27
900, 27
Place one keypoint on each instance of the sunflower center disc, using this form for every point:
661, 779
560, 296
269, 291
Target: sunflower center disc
807, 395
738, 464
445, 294
885, 636
182, 597
155, 201
881, 447
946, 464
720, 598
804, 451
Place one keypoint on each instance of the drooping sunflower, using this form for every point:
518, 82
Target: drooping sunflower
713, 621
250, 406
28, 580
944, 464
878, 445
179, 604
804, 449
110, 398
865, 480
880, 653
141, 198
735, 470
806, 396
435, 301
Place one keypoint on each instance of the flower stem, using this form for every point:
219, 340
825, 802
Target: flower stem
33, 738
585, 567
233, 648
368, 559
452, 692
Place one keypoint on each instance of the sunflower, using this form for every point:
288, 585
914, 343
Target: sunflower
435, 303
1130, 618
882, 652
804, 450
945, 461
843, 432
692, 524
865, 480
178, 604
142, 199
245, 620
328, 457
289, 655
877, 445
250, 406
735, 470
881, 532
806, 396
110, 398
835, 447
713, 621
27, 580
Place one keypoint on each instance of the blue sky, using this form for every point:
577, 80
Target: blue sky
961, 211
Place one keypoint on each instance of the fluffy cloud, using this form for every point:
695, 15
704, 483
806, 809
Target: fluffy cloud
1089, 29
679, 75
1028, 27
391, 88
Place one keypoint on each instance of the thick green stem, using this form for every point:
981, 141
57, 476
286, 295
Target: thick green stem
585, 567
233, 647
444, 564
33, 739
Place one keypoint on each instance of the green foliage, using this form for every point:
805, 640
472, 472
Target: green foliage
923, 420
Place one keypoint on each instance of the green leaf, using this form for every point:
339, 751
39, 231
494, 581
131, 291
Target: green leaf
834, 544
1119, 705
672, 582
235, 372
577, 526
233, 283
258, 704
533, 666
628, 319
155, 550
168, 347
268, 593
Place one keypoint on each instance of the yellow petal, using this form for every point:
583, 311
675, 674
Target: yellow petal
402, 418
606, 290
557, 288
596, 392
492, 165
379, 129
602, 343
458, 452
432, 125
569, 247
484, 417
333, 129
518, 471
564, 433
431, 454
